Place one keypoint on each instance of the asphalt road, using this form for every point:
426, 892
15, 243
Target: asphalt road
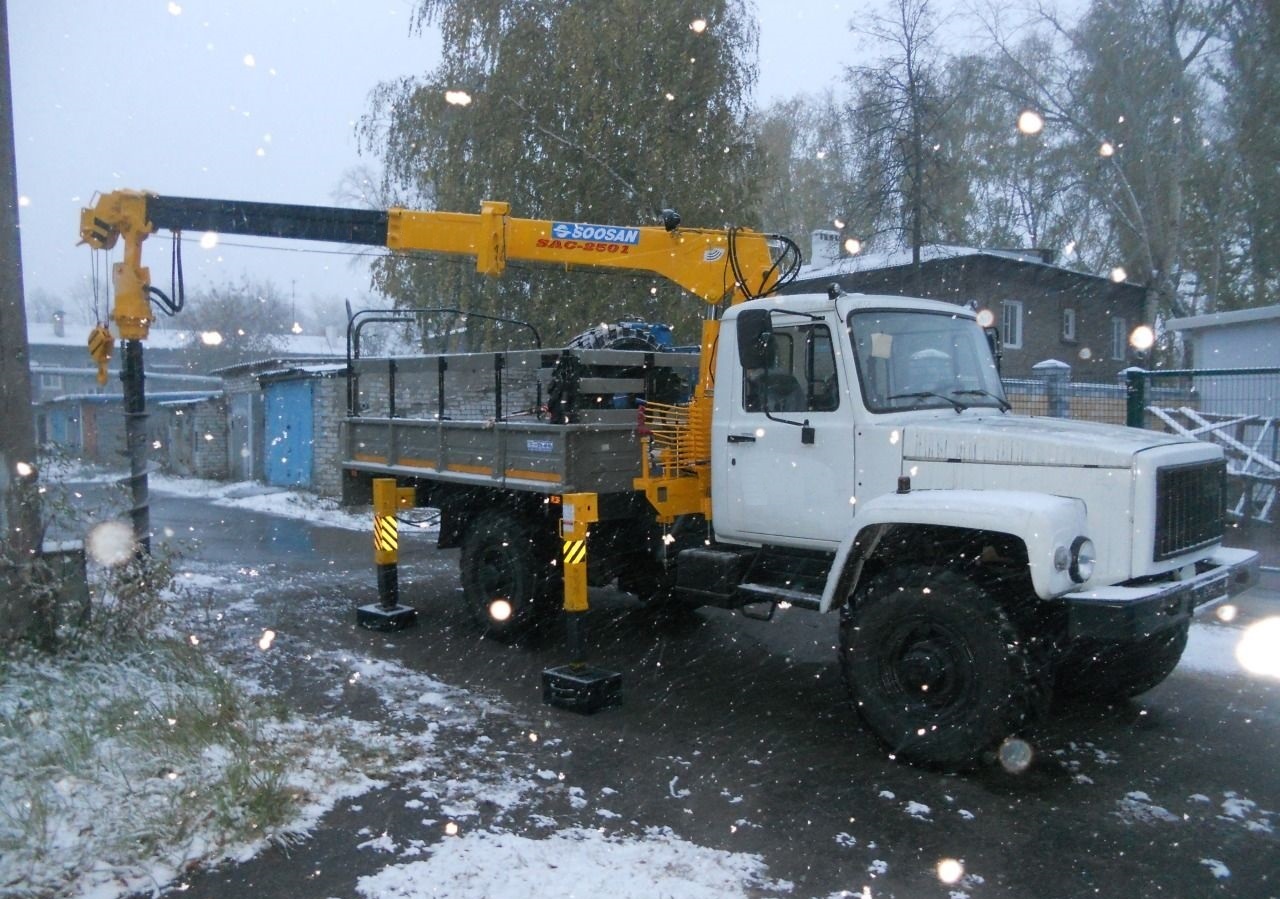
736, 735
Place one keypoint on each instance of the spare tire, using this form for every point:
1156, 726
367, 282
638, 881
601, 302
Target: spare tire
617, 336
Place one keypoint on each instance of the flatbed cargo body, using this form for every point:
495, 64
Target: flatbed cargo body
534, 456
542, 422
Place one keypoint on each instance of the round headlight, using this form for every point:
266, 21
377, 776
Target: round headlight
1083, 557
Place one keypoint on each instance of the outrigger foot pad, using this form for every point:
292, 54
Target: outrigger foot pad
581, 688
378, 617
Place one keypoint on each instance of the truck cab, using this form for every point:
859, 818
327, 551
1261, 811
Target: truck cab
839, 378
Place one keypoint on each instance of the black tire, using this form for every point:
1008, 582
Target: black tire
615, 337
503, 558
935, 667
1114, 671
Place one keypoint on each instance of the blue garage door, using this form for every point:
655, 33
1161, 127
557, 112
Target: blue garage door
287, 437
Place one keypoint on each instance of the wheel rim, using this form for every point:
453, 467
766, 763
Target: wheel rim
926, 668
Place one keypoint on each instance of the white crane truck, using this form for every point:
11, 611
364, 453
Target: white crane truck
841, 453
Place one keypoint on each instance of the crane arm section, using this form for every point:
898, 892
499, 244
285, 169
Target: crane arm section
716, 265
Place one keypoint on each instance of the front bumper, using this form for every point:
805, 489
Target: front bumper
1124, 613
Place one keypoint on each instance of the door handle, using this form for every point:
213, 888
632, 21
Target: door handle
742, 438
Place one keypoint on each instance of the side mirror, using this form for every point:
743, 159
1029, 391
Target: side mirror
755, 333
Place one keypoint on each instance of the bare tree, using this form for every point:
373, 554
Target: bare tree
1125, 86
239, 321
897, 111
805, 165
1235, 215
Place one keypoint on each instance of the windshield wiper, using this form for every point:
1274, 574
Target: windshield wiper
922, 394
1004, 404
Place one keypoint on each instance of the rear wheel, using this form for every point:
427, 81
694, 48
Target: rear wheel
1111, 671
508, 576
935, 667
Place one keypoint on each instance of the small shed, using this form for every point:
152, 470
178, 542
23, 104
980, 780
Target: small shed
1242, 338
92, 426
303, 408
246, 425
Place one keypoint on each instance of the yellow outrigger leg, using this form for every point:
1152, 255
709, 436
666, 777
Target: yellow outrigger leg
578, 686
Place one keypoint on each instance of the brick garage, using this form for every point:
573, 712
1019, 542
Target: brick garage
196, 444
326, 393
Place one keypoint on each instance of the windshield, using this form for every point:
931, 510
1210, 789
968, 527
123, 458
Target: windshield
923, 360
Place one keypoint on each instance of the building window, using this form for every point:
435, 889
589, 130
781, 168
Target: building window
1119, 339
1011, 324
50, 382
1069, 325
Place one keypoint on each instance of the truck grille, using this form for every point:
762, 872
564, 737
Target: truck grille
1191, 503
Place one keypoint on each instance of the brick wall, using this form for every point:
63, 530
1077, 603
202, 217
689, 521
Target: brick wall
209, 448
190, 439
329, 408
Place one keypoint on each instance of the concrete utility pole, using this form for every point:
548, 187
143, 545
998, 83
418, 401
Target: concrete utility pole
20, 514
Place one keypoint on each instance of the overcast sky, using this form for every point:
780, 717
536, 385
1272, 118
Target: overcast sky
251, 100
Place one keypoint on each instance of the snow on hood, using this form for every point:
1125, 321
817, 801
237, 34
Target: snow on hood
1021, 440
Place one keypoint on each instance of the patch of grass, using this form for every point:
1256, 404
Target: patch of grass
254, 796
156, 756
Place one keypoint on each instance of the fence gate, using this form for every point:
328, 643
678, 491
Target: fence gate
1238, 409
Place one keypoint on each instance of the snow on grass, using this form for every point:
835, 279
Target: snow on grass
120, 771
574, 862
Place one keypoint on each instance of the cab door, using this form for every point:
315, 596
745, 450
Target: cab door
782, 452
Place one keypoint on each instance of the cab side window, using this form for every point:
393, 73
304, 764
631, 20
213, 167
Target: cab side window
800, 377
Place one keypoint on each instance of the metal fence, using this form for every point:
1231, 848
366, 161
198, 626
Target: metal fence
1237, 409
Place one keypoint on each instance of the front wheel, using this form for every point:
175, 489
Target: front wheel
509, 577
935, 667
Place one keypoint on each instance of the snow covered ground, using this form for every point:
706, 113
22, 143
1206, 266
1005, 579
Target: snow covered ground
487, 843
98, 833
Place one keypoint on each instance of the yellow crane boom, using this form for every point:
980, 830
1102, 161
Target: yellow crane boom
716, 265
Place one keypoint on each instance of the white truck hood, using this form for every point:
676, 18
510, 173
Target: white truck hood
1021, 440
